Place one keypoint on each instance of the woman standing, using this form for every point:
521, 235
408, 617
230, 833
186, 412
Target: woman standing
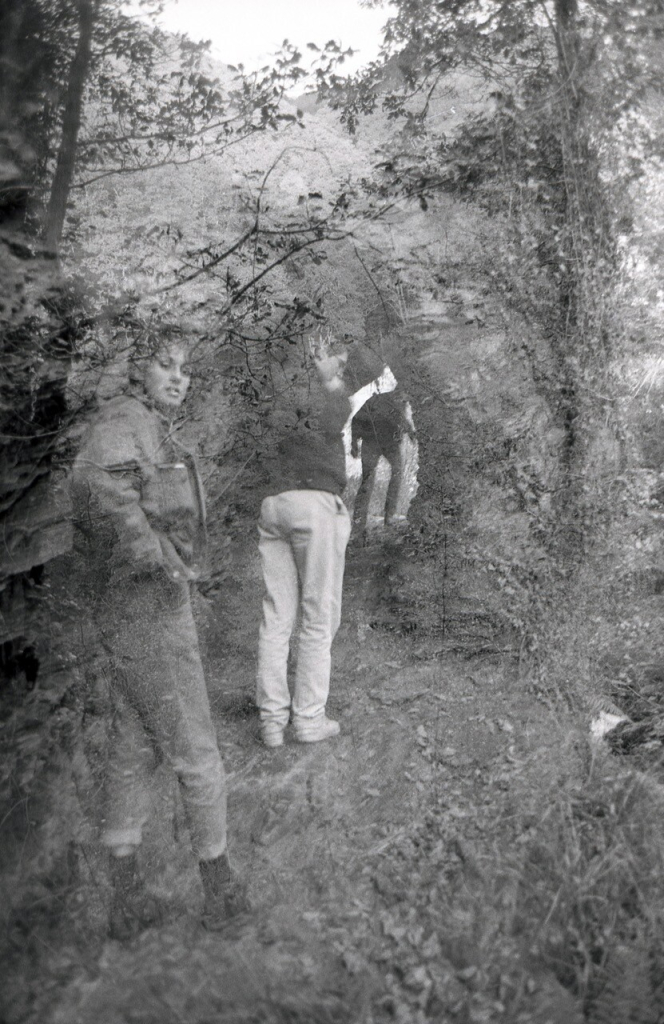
140, 520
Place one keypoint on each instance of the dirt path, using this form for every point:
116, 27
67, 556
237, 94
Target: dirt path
381, 865
365, 858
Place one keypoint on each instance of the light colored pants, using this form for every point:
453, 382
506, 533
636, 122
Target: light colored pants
160, 712
303, 537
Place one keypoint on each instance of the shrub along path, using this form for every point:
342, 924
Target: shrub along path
407, 871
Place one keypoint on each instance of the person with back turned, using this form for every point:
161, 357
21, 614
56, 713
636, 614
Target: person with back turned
304, 528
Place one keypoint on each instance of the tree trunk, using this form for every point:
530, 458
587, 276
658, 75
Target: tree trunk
13, 185
567, 44
71, 123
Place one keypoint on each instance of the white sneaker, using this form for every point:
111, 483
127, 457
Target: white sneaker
272, 734
316, 729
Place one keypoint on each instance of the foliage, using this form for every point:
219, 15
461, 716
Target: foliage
557, 77
523, 477
94, 93
563, 896
149, 97
540, 153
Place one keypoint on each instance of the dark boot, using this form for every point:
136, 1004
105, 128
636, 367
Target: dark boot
132, 907
225, 894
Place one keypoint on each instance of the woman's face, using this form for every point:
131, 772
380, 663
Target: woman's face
167, 377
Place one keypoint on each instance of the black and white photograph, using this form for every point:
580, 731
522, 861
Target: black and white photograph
331, 512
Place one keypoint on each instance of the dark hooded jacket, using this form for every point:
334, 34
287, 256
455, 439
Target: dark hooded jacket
382, 420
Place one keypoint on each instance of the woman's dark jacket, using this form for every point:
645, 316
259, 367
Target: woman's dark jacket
138, 498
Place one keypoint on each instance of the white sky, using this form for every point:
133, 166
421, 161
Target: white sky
248, 31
